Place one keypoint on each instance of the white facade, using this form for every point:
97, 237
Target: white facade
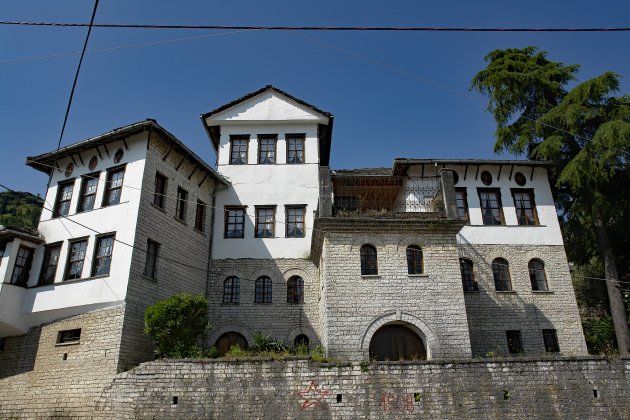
277, 185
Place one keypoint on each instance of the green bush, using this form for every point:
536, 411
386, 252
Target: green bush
236, 351
599, 332
176, 325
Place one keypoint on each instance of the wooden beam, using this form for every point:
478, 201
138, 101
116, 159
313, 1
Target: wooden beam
125, 143
422, 171
168, 153
532, 175
193, 172
465, 172
180, 162
477, 174
74, 161
81, 158
511, 170
106, 150
204, 178
99, 152
499, 176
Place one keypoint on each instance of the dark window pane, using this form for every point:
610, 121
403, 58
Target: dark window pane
22, 267
76, 256
551, 341
501, 274
182, 201
295, 149
295, 222
200, 216
414, 260
263, 290
113, 187
64, 196
525, 207
238, 152
51, 262
491, 207
515, 345
234, 222
468, 278
69, 336
232, 290
368, 260
150, 266
159, 194
103, 256
266, 149
461, 201
537, 275
87, 195
295, 290
265, 218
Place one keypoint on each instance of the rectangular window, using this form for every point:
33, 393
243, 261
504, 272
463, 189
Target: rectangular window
238, 150
461, 201
22, 267
267, 148
69, 336
182, 201
515, 344
3, 343
150, 265
491, 210
64, 196
51, 262
551, 341
265, 221
159, 192
103, 255
87, 194
295, 148
295, 221
235, 222
200, 216
113, 187
76, 256
525, 207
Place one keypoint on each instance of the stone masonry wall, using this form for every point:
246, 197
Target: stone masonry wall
565, 388
356, 306
283, 321
41, 378
491, 313
183, 253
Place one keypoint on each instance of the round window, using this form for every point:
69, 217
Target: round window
118, 155
69, 169
93, 163
455, 177
520, 179
486, 178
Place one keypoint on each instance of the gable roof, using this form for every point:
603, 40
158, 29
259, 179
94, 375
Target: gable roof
324, 130
45, 161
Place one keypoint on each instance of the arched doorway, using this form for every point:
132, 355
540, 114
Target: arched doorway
397, 342
227, 340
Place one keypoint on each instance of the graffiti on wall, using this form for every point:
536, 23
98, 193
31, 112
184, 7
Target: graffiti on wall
393, 403
313, 396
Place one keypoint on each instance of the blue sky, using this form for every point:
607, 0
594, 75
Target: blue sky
407, 96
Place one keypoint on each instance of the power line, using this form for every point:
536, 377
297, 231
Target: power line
320, 28
120, 47
74, 84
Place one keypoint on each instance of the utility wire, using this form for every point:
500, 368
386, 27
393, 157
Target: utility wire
321, 28
74, 84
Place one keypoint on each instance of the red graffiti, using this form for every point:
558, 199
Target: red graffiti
312, 396
397, 403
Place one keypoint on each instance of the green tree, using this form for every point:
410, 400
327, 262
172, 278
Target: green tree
585, 131
176, 325
20, 209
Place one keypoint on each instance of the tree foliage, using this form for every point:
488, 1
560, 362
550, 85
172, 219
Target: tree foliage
20, 209
586, 132
176, 325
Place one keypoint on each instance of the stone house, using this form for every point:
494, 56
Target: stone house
427, 259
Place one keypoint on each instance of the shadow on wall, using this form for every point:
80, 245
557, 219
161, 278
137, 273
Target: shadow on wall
503, 322
20, 353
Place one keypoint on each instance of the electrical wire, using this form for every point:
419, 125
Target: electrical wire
321, 28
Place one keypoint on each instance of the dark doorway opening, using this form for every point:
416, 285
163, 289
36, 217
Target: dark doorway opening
229, 339
397, 342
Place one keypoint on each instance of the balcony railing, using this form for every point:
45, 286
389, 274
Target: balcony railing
387, 196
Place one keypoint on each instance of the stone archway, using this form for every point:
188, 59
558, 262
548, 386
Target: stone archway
229, 339
396, 341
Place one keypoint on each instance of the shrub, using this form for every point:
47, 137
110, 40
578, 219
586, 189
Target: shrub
235, 351
599, 332
177, 324
301, 349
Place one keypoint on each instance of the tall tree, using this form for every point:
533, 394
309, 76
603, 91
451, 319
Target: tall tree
585, 131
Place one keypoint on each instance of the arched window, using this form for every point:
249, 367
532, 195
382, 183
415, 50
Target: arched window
368, 260
295, 290
537, 275
501, 274
468, 276
301, 340
228, 340
263, 290
232, 290
415, 264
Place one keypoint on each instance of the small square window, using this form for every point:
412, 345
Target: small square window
69, 336
515, 344
234, 222
551, 341
238, 150
295, 148
182, 202
267, 149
